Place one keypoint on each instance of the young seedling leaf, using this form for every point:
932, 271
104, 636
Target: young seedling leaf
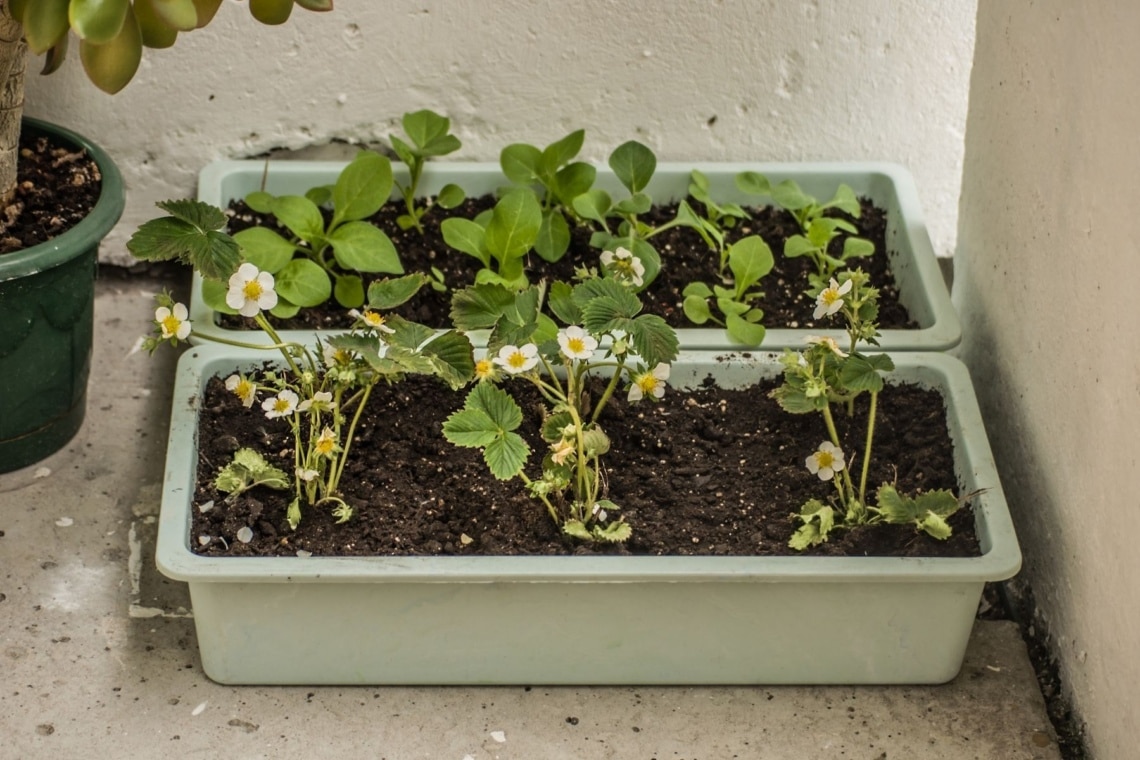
450, 196
303, 282
349, 291
634, 165
300, 215
519, 163
749, 259
265, 249
743, 331
362, 187
753, 183
553, 236
594, 205
514, 226
362, 247
466, 236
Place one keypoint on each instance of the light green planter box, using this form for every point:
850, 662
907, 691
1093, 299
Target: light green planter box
921, 287
589, 620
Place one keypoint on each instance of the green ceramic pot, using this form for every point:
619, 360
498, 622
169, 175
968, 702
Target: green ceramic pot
47, 296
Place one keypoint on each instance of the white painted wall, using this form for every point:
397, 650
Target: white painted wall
815, 80
1046, 282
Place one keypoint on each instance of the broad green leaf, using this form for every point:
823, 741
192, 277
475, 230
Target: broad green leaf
562, 305
470, 428
561, 152
408, 334
895, 507
798, 245
594, 205
214, 296
466, 236
260, 201
519, 162
638, 203
264, 248
698, 289
940, 502
741, 330
496, 404
300, 215
405, 152
507, 455
619, 301
450, 196
653, 339
795, 401
789, 196
362, 247
881, 362
284, 309
514, 226
729, 306
553, 236
189, 236
303, 283
111, 65
362, 187
271, 12
696, 309
634, 165
98, 21
480, 306
649, 258
749, 259
753, 183
349, 291
845, 201
45, 23
573, 180
821, 231
424, 127
453, 358
389, 293
858, 374
854, 248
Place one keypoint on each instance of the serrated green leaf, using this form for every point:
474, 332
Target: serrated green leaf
452, 356
519, 162
450, 196
805, 537
264, 248
577, 529
497, 404
940, 502
303, 282
562, 305
514, 226
614, 533
300, 215
407, 334
470, 428
858, 374
362, 247
935, 526
506, 456
633, 164
361, 188
189, 236
896, 508
795, 401
349, 291
466, 236
740, 330
595, 442
653, 339
480, 306
553, 236
753, 183
553, 426
389, 293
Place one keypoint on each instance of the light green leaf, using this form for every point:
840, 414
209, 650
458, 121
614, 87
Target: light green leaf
496, 404
614, 533
729, 306
854, 248
553, 236
561, 152
214, 295
741, 330
98, 21
573, 180
265, 249
798, 245
453, 358
389, 293
789, 196
519, 162
362, 247
553, 426
349, 291
845, 201
303, 283
260, 201
577, 529
753, 183
940, 502
284, 309
698, 289
634, 165
935, 526
562, 304
45, 23
638, 203
594, 205
450, 196
425, 127
749, 259
406, 152
466, 236
470, 428
696, 309
514, 226
300, 215
362, 187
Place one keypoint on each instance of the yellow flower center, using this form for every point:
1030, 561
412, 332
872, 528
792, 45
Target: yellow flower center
517, 360
252, 290
484, 368
830, 296
171, 324
825, 459
325, 445
281, 405
648, 383
576, 345
373, 319
244, 389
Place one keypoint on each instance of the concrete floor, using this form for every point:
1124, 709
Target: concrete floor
99, 656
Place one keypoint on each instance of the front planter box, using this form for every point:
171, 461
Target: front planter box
921, 287
589, 620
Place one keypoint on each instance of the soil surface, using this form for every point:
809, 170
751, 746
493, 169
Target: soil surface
56, 187
685, 258
709, 471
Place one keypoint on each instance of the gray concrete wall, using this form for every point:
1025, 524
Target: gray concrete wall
1046, 282
706, 80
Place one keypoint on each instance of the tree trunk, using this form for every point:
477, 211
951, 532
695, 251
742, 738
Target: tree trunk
13, 60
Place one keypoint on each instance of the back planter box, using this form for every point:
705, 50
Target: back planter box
889, 186
650, 620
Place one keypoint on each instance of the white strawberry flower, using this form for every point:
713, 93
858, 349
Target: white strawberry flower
321, 401
651, 383
173, 321
830, 299
828, 343
517, 359
826, 461
242, 387
576, 343
251, 291
281, 405
624, 266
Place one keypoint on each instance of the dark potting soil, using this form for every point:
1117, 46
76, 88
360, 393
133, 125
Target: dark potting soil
709, 471
56, 187
685, 258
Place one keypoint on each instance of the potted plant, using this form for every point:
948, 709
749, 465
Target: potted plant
47, 289
570, 196
562, 619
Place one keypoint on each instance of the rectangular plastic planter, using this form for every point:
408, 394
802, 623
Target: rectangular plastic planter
589, 620
921, 287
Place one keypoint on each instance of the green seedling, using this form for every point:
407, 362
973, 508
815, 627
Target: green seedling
501, 239
749, 260
818, 228
557, 179
717, 218
428, 136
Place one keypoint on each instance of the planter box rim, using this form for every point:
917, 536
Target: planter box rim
176, 560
